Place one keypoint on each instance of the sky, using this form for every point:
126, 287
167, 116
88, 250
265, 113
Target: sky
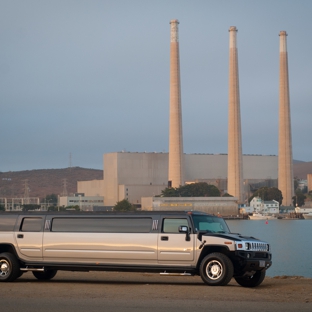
81, 78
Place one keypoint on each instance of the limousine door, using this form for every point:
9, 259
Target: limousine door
174, 245
29, 236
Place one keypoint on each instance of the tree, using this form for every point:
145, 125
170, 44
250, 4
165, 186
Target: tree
170, 192
124, 205
28, 207
2, 208
268, 193
53, 208
51, 199
298, 199
200, 189
296, 183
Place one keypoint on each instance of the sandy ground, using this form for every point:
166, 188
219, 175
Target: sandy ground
141, 291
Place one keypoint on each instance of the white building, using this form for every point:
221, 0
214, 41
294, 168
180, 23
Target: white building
85, 203
16, 204
258, 205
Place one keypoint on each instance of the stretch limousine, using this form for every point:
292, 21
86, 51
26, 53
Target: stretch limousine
185, 242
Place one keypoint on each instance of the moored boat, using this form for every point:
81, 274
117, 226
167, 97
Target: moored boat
261, 216
307, 216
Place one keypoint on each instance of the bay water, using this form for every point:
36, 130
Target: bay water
290, 240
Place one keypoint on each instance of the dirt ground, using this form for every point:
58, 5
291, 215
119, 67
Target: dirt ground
280, 289
78, 291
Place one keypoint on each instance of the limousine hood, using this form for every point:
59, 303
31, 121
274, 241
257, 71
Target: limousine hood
232, 236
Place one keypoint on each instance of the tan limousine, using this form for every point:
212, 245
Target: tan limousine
185, 242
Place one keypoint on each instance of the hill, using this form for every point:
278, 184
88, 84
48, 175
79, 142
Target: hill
302, 169
44, 182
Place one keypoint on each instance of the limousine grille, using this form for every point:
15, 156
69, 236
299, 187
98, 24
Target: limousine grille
257, 246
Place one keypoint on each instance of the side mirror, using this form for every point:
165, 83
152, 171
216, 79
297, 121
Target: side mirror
185, 229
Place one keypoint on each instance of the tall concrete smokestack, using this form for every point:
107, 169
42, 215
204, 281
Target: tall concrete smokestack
285, 160
235, 163
175, 169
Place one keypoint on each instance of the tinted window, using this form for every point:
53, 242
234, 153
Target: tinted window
7, 222
102, 225
210, 224
172, 225
31, 225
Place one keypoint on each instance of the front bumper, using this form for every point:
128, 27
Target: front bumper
254, 261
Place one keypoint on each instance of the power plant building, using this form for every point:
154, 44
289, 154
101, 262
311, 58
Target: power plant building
235, 164
176, 161
285, 158
136, 175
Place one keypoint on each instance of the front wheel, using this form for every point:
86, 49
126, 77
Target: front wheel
44, 275
251, 281
216, 269
9, 267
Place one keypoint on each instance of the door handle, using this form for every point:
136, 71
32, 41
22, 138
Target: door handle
20, 236
164, 238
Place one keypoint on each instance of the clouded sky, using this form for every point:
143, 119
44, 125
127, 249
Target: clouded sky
88, 77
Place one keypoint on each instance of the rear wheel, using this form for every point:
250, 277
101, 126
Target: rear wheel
44, 275
9, 267
251, 281
216, 269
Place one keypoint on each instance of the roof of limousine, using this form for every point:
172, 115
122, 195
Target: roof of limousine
117, 213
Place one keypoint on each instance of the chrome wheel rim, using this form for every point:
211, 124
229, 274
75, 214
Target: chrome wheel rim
4, 268
214, 269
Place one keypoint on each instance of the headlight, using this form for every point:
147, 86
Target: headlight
247, 246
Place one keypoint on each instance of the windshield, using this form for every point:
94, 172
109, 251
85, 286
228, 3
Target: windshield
210, 224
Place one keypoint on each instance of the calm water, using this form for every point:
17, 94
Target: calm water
291, 243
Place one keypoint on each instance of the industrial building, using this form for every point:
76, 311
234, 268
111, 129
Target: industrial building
85, 203
225, 206
136, 175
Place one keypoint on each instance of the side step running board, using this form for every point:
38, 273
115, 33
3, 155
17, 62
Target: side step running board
175, 274
32, 269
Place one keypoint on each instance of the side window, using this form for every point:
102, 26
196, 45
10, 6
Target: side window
102, 225
172, 225
31, 225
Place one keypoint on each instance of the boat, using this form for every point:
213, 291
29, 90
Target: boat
307, 216
261, 216
303, 210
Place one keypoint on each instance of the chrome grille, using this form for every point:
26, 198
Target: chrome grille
258, 246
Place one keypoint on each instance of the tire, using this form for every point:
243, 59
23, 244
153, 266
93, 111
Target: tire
20, 274
9, 267
216, 269
251, 281
45, 275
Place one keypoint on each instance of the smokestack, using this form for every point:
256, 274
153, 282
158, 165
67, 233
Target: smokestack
235, 164
175, 167
285, 160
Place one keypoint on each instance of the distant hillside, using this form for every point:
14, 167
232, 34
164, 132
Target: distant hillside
302, 169
45, 181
